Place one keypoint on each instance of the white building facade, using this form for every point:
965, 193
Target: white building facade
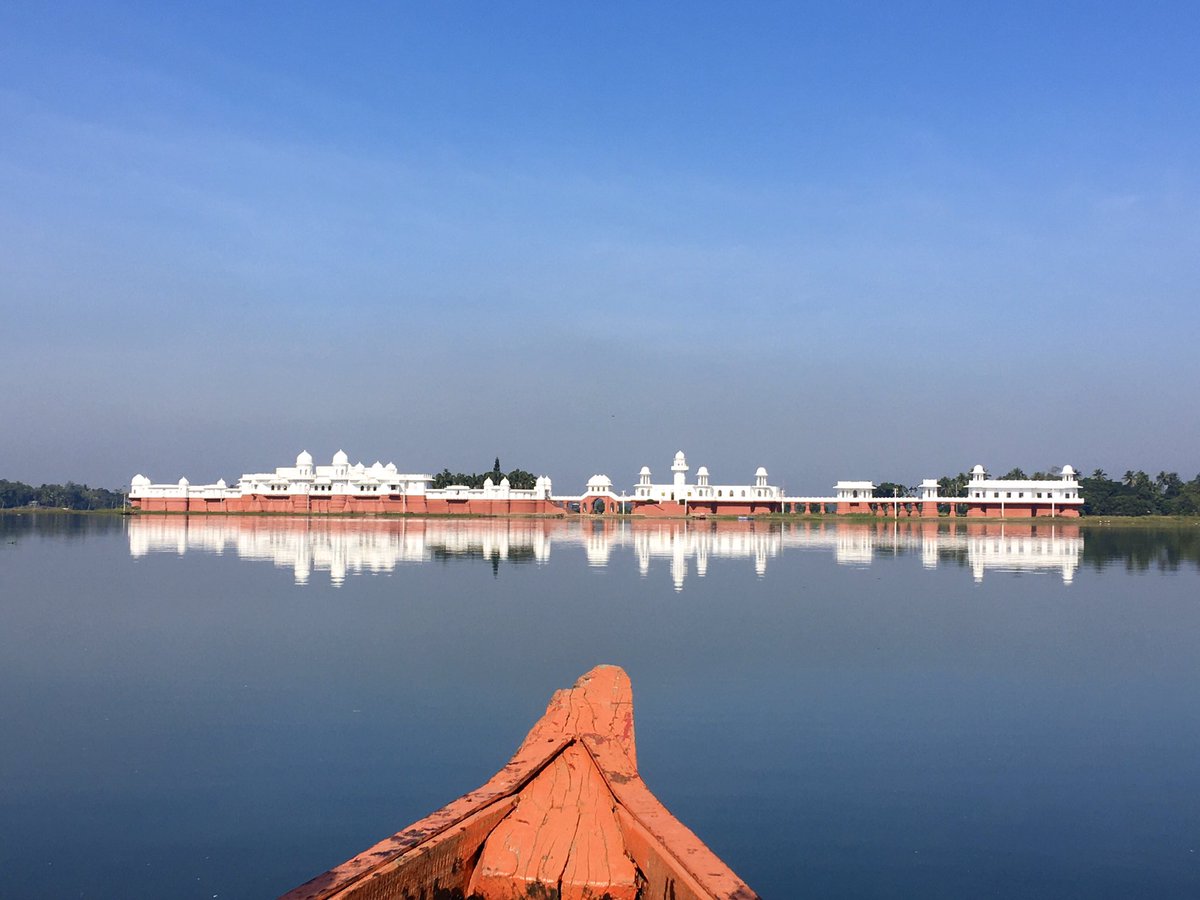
340, 487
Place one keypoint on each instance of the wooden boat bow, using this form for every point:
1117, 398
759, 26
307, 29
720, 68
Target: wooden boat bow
568, 817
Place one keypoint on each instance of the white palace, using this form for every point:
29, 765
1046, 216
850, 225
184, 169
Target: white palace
341, 487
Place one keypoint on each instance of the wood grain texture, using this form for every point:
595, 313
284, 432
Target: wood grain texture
568, 817
562, 836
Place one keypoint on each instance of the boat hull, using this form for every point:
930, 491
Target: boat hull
568, 817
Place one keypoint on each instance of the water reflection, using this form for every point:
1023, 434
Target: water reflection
342, 547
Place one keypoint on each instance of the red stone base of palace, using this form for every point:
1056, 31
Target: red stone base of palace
703, 508
394, 505
398, 505
1024, 511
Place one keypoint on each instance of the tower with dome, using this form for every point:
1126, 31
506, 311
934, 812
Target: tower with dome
702, 498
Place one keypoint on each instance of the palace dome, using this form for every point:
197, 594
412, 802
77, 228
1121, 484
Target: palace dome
341, 459
304, 459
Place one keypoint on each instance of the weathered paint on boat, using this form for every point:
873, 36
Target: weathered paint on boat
568, 817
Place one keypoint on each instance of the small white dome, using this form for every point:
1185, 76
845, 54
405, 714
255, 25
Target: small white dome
304, 459
221, 483
183, 482
504, 485
488, 483
1067, 471
599, 482
978, 470
378, 467
645, 470
760, 471
139, 480
679, 457
703, 470
341, 459
391, 467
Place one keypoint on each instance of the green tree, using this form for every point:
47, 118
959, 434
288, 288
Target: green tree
520, 480
517, 478
953, 486
63, 496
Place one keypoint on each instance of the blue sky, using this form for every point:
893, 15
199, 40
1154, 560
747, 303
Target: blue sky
847, 241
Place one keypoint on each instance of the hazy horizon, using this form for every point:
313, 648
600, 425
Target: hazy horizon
882, 242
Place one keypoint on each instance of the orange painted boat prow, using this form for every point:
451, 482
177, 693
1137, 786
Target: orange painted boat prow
568, 817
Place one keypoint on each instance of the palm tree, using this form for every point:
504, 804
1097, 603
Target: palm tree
1168, 483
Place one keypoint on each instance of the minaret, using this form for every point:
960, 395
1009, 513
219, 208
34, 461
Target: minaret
680, 468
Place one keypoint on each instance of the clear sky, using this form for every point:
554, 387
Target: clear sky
864, 240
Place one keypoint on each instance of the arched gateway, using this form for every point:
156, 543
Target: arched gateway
599, 498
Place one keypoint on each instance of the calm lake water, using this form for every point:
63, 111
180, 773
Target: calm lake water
224, 707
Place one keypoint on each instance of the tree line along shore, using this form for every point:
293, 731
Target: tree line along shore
1134, 494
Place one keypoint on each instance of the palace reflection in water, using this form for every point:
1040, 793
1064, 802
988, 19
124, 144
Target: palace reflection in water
342, 547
